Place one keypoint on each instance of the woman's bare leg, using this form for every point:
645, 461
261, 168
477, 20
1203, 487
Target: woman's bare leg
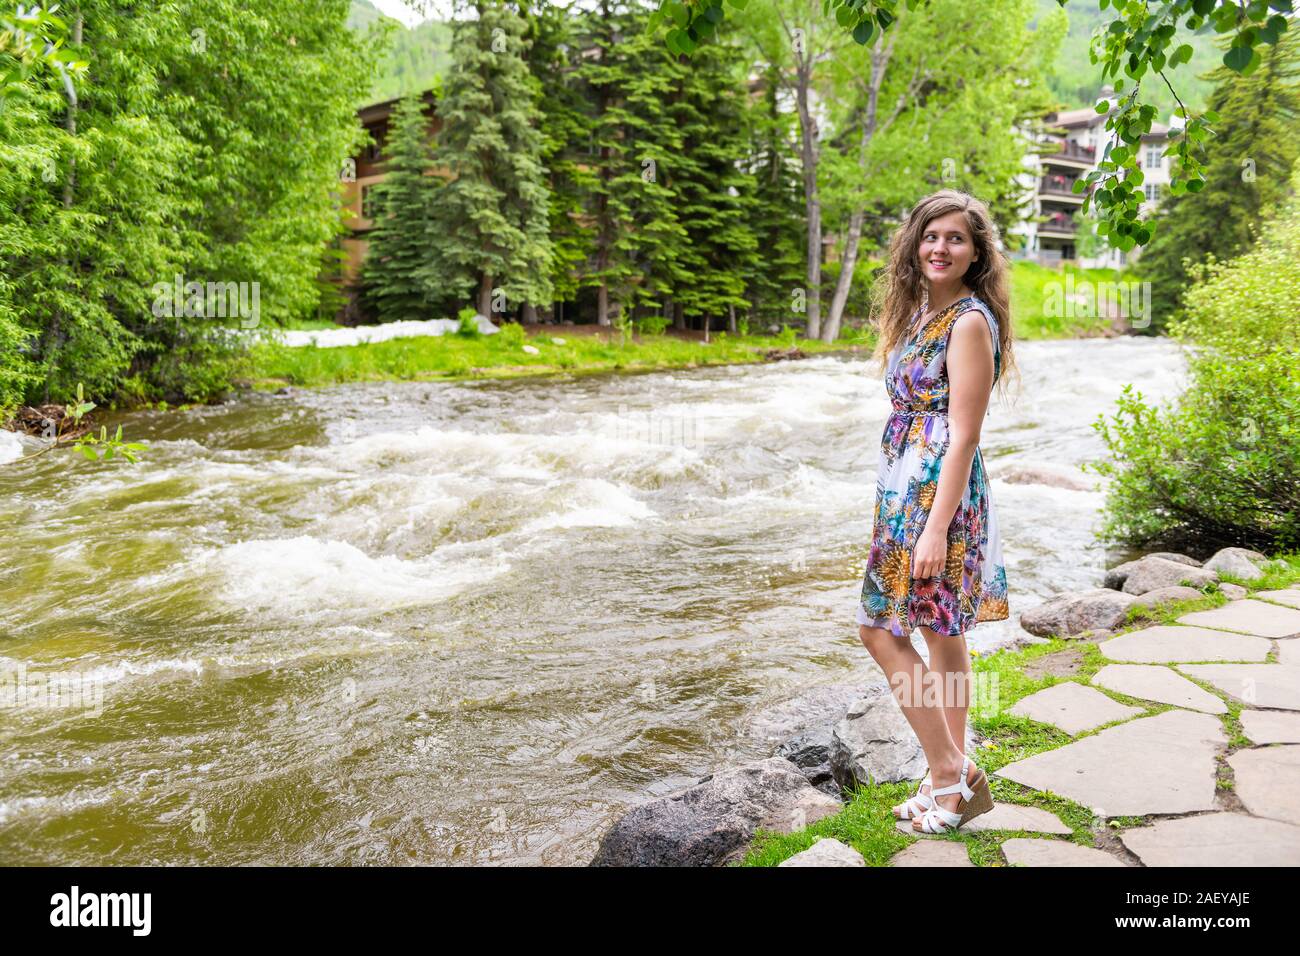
950, 663
913, 686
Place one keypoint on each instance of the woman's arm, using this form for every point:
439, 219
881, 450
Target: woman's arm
970, 382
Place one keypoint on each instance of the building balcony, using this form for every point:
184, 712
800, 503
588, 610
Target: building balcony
1071, 156
1059, 189
1058, 226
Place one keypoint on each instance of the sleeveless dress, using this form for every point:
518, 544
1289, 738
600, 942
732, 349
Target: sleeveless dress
973, 585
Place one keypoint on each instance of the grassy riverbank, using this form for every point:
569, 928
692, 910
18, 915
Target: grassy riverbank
559, 349
867, 823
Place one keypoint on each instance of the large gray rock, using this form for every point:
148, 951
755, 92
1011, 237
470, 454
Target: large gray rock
1153, 572
1239, 562
1167, 596
1117, 575
803, 724
713, 822
810, 753
874, 743
1069, 614
1072, 478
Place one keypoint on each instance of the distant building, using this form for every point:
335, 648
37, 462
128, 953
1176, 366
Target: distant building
368, 169
1075, 144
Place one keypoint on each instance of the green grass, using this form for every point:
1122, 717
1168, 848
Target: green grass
494, 356
490, 356
867, 823
1033, 288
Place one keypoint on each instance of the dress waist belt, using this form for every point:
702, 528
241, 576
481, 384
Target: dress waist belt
904, 410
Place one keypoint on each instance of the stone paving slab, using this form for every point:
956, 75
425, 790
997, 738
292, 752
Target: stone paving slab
1267, 779
1271, 726
1248, 617
939, 853
1160, 764
1003, 816
1172, 643
826, 852
1073, 707
1216, 839
1289, 596
1153, 682
1260, 685
1288, 652
1023, 851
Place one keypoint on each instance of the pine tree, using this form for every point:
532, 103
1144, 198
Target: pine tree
714, 196
1250, 159
639, 238
566, 129
491, 219
397, 276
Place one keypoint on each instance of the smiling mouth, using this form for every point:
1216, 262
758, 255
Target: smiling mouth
940, 263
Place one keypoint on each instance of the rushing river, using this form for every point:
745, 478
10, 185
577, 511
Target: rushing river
472, 622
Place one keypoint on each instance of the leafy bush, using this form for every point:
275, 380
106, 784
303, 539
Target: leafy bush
511, 336
1220, 466
652, 323
468, 326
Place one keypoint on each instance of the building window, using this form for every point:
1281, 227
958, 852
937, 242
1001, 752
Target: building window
1153, 157
1152, 190
368, 208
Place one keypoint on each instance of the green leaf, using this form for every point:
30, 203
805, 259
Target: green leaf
88, 453
863, 32
714, 14
681, 16
1182, 55
845, 16
1238, 58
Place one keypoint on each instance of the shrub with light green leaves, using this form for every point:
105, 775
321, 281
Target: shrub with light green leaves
1221, 465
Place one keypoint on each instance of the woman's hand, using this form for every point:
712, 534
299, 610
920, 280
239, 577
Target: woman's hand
930, 556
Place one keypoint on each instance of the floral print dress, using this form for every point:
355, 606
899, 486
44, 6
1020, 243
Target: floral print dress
973, 585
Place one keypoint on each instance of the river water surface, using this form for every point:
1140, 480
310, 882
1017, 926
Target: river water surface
472, 622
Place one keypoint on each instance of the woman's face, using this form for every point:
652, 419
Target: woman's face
946, 250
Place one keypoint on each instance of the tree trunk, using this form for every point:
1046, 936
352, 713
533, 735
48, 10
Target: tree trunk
731, 318
880, 58
530, 314
847, 261
812, 200
602, 304
485, 296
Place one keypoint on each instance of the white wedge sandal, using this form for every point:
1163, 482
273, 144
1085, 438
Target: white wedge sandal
916, 805
976, 798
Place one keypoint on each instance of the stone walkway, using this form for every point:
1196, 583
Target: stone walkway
1168, 768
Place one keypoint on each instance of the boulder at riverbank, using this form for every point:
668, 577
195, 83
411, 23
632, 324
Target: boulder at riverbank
713, 822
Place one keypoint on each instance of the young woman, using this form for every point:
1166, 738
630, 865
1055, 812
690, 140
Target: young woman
936, 558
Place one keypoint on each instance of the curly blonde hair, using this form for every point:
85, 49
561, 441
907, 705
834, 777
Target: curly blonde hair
903, 287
